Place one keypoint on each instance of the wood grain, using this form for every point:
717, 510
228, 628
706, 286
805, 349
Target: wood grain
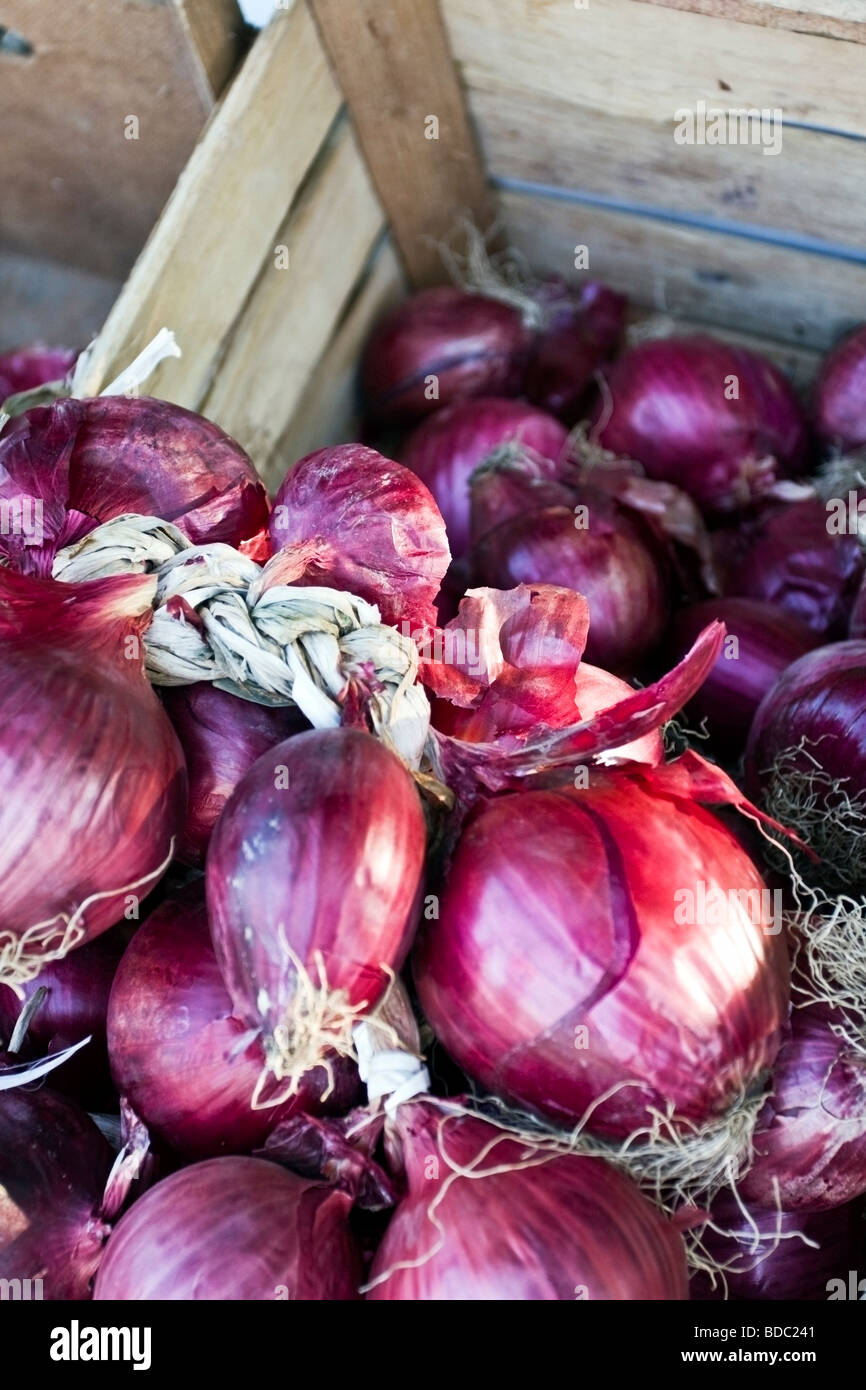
394, 66
839, 19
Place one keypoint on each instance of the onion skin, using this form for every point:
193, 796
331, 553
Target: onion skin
233, 1228
857, 620
787, 556
559, 912
564, 1229
811, 1134
174, 1042
221, 737
768, 640
614, 562
24, 368
445, 450
349, 518
583, 328
95, 776
54, 1164
90, 460
330, 863
664, 405
75, 1007
793, 1270
472, 345
839, 408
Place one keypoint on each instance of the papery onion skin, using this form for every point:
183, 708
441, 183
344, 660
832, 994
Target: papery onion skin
445, 450
839, 408
75, 1007
221, 736
23, 368
581, 330
349, 518
614, 561
666, 403
88, 461
95, 776
319, 850
810, 1139
471, 345
789, 556
558, 968
54, 1164
233, 1228
175, 1046
765, 641
563, 1229
764, 1270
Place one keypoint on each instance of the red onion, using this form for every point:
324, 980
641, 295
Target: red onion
587, 940
312, 877
87, 461
188, 1067
806, 755
94, 775
74, 1007
350, 519
787, 556
445, 450
24, 368
670, 404
840, 393
521, 1225
765, 1256
582, 328
54, 1164
221, 736
761, 641
440, 346
605, 553
810, 1141
232, 1229
857, 620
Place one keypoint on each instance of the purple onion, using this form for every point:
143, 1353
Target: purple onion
232, 1229
439, 346
581, 329
221, 736
54, 1164
187, 1066
666, 404
24, 368
613, 560
445, 451
840, 393
761, 641
857, 620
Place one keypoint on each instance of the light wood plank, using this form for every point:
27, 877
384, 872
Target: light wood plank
791, 296
328, 412
292, 311
647, 61
840, 19
221, 222
395, 68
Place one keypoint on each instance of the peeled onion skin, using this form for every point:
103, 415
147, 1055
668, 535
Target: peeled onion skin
810, 1139
319, 850
840, 392
174, 1043
556, 969
570, 1228
221, 737
53, 1168
472, 345
664, 404
232, 1229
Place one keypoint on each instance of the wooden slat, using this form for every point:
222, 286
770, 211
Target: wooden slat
328, 411
220, 224
43, 301
792, 296
646, 61
395, 68
217, 30
814, 188
840, 19
74, 188
291, 313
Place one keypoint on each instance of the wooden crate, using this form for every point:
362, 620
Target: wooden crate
316, 194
